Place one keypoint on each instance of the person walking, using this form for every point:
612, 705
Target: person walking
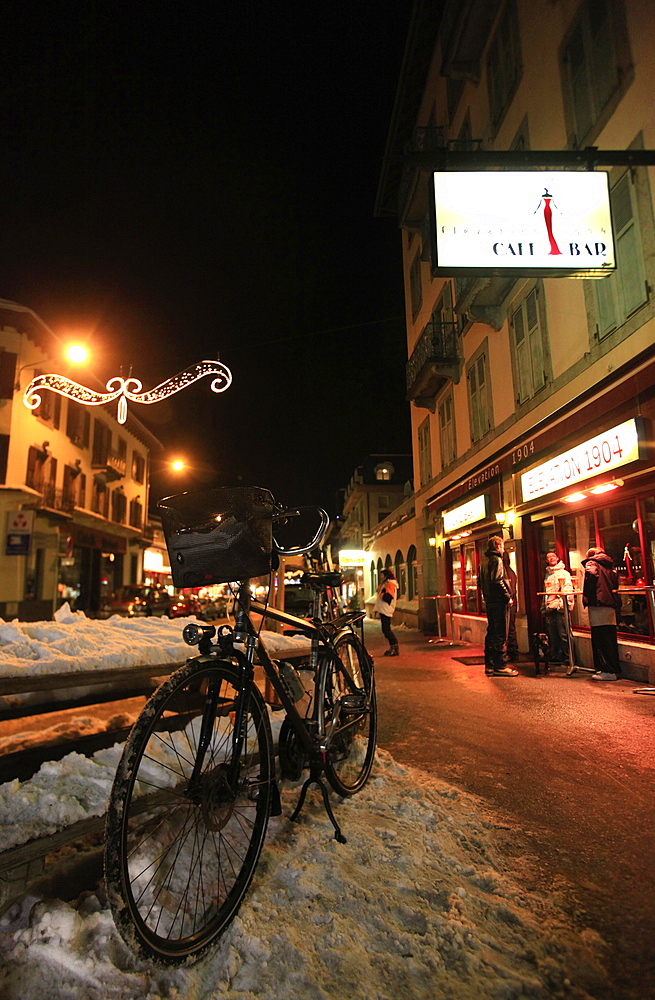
497, 597
511, 643
385, 605
557, 581
599, 595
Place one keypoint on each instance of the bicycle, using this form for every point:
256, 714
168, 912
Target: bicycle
196, 782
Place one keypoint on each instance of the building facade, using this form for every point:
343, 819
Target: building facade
73, 484
532, 397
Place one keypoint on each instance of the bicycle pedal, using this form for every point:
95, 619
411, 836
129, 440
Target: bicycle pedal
353, 703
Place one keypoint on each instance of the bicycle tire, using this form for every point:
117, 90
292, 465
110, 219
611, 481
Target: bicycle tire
179, 862
352, 744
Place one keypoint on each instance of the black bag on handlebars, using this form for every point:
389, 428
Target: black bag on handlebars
218, 536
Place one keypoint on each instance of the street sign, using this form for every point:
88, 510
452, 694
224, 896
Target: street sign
20, 524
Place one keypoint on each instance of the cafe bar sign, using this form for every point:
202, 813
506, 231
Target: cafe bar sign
553, 223
467, 513
614, 448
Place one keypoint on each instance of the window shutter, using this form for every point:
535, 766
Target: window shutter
535, 341
630, 264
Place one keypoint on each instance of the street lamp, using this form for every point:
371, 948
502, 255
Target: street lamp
75, 353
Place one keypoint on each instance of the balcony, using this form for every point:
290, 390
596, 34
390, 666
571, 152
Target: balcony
109, 467
60, 502
434, 361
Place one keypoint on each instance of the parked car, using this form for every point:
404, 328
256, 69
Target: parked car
214, 608
136, 600
184, 606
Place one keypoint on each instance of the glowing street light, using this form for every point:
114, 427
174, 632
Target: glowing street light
77, 353
177, 465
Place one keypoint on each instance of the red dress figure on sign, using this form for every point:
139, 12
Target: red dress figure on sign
548, 219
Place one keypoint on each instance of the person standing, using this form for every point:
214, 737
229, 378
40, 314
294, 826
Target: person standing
599, 595
557, 581
511, 644
385, 605
497, 597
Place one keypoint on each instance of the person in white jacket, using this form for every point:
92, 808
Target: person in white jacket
385, 605
557, 582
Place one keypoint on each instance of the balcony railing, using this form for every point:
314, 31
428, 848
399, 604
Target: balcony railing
434, 361
62, 501
110, 466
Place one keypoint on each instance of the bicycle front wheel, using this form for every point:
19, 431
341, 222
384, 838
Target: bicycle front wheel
347, 701
188, 811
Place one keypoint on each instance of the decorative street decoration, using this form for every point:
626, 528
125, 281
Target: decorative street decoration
123, 389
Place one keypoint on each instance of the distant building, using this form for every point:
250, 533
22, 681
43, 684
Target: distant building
531, 395
73, 484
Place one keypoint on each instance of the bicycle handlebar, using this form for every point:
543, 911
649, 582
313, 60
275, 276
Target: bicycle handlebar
316, 540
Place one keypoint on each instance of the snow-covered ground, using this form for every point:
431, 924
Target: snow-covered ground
418, 904
73, 643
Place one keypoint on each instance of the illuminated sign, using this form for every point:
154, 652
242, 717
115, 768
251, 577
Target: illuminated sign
615, 447
553, 222
153, 562
466, 513
352, 557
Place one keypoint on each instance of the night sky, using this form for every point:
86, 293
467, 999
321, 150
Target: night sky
185, 179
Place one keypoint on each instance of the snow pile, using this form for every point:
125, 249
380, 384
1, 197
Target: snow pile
73, 643
418, 904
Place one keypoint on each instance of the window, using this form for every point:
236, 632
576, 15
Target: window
138, 467
595, 66
529, 372
479, 397
383, 472
100, 498
118, 506
35, 462
415, 288
503, 63
620, 293
447, 430
101, 443
78, 423
8, 375
424, 452
136, 513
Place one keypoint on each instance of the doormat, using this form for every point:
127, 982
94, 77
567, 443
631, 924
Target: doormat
470, 661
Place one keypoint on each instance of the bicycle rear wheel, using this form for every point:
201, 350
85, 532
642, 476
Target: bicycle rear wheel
186, 825
347, 701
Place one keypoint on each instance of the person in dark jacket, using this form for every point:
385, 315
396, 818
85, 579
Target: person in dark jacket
497, 597
599, 595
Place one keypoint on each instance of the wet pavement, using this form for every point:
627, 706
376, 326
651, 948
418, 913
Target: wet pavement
568, 762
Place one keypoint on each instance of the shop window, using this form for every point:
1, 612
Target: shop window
618, 530
415, 287
470, 566
412, 575
399, 570
648, 506
447, 430
479, 397
596, 68
623, 291
424, 452
503, 63
528, 343
578, 535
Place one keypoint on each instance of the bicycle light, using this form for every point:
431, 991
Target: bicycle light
191, 634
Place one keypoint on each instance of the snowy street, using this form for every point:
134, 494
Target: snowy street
421, 902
